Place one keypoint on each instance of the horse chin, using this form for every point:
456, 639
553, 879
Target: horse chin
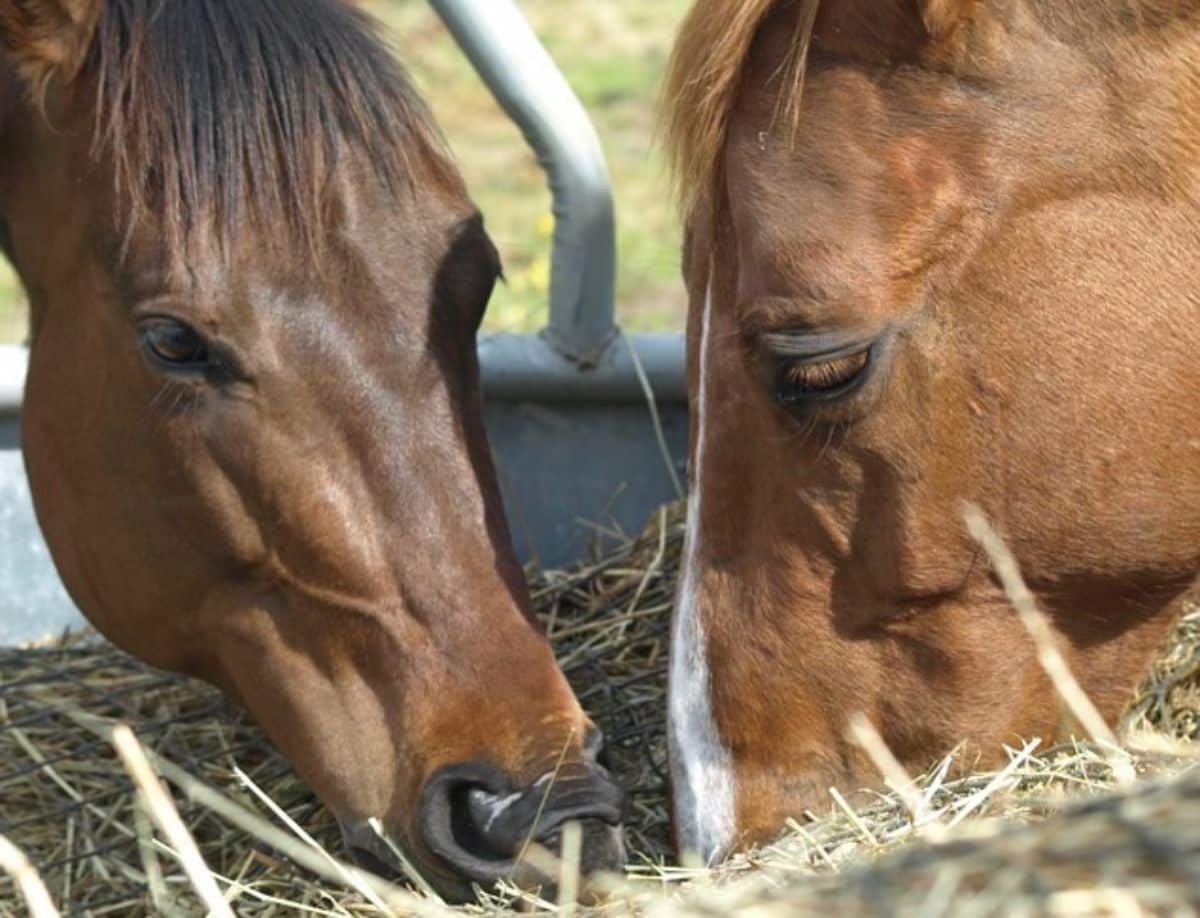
384, 856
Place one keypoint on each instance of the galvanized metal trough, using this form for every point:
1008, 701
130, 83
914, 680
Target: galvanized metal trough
588, 425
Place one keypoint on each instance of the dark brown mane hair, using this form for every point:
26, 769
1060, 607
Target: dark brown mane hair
214, 112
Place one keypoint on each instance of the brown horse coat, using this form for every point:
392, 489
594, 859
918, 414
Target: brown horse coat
938, 252
252, 423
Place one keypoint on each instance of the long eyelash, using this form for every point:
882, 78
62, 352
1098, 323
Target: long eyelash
166, 408
818, 377
834, 430
194, 405
180, 395
810, 428
156, 402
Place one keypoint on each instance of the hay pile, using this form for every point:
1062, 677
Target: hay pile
984, 844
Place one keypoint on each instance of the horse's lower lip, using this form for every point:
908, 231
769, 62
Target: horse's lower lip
603, 849
368, 860
370, 851
362, 842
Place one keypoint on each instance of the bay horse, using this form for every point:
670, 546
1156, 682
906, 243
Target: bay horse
937, 251
252, 424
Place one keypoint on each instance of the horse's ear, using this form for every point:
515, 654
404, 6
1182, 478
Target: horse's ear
47, 38
879, 30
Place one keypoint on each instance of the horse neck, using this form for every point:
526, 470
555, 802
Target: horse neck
1153, 101
1167, 112
1127, 117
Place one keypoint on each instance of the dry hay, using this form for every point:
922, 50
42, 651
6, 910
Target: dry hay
1016, 841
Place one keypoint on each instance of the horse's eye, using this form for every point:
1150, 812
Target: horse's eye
800, 382
174, 344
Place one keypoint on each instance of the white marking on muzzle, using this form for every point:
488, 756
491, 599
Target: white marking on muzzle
701, 765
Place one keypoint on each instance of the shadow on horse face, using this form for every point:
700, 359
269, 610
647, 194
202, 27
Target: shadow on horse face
252, 423
967, 276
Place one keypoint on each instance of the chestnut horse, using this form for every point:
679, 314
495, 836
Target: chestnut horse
252, 422
938, 251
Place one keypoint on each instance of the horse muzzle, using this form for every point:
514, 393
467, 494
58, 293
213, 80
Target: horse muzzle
478, 826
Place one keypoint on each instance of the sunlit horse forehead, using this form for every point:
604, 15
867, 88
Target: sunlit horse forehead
217, 112
713, 52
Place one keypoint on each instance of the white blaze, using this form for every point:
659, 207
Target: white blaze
701, 766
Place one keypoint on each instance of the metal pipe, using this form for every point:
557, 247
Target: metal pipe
523, 368
527, 83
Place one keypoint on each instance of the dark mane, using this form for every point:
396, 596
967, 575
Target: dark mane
218, 111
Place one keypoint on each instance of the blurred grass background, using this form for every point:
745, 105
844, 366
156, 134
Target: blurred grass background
613, 53
12, 306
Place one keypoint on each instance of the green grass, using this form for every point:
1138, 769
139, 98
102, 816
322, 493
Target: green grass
13, 309
613, 53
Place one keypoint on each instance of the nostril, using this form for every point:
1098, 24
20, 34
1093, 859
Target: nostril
475, 820
456, 815
485, 807
473, 813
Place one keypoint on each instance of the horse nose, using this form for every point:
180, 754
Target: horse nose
480, 824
